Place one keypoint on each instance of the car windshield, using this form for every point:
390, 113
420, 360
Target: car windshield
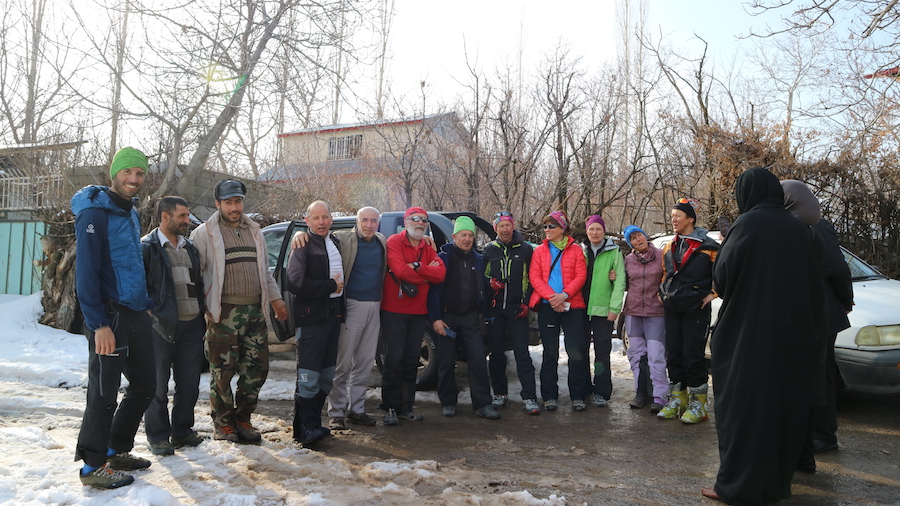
860, 270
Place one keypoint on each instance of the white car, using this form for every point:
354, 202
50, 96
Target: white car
867, 353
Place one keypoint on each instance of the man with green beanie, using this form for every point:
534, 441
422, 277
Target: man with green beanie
112, 292
454, 307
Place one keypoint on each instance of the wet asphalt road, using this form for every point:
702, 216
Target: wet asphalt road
615, 455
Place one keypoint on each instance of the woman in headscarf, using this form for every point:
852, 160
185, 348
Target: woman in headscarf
762, 346
838, 289
557, 273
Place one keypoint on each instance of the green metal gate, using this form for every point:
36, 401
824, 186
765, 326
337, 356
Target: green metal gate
20, 256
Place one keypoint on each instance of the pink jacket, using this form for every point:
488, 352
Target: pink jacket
642, 287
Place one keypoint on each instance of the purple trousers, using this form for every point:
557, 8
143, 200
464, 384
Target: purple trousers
647, 336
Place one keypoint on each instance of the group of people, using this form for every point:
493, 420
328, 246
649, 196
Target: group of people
176, 300
154, 306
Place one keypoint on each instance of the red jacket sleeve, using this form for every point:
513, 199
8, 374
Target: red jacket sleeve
573, 286
431, 273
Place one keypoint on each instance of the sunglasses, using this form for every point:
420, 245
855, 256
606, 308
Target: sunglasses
418, 219
550, 227
502, 214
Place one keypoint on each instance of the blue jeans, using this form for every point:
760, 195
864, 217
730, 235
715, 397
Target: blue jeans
571, 322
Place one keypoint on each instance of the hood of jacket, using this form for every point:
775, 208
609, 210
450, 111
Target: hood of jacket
757, 186
606, 245
95, 196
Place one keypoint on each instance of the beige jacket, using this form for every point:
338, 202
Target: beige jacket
208, 240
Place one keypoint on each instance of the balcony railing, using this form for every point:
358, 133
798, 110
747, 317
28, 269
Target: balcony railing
26, 193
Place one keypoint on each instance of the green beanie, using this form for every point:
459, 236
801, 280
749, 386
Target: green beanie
463, 223
127, 158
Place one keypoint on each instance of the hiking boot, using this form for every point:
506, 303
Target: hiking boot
697, 410
675, 405
125, 461
600, 402
410, 415
313, 435
449, 411
550, 405
247, 432
390, 418
189, 439
656, 407
531, 407
163, 447
488, 412
639, 401
337, 423
105, 477
578, 405
500, 400
361, 419
225, 433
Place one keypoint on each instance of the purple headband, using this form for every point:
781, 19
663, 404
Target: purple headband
595, 218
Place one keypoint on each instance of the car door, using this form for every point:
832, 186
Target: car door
284, 330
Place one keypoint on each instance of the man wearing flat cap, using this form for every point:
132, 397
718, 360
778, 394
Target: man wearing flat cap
239, 289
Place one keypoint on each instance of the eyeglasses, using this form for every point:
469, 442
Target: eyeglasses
550, 227
418, 219
502, 214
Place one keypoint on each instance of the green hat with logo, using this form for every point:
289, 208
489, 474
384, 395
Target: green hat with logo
463, 223
127, 158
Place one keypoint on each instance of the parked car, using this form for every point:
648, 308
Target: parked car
278, 239
868, 353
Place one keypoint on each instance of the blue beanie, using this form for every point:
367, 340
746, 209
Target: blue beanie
631, 229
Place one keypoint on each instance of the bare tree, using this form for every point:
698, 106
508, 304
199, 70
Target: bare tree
34, 96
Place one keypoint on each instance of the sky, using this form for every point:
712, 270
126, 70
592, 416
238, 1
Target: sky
429, 41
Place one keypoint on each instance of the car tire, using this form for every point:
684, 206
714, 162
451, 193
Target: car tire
427, 375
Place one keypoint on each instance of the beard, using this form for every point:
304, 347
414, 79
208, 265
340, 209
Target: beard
415, 233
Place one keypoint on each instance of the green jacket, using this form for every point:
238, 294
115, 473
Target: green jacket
602, 295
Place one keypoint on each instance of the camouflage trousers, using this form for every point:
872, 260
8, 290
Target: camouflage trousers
236, 344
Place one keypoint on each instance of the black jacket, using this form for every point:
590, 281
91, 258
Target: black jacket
684, 288
310, 281
508, 263
438, 294
838, 280
160, 286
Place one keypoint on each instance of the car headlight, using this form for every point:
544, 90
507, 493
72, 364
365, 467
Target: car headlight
884, 335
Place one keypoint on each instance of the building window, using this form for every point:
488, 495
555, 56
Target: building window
345, 148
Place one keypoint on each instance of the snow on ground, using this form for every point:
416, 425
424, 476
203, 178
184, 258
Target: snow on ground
42, 380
